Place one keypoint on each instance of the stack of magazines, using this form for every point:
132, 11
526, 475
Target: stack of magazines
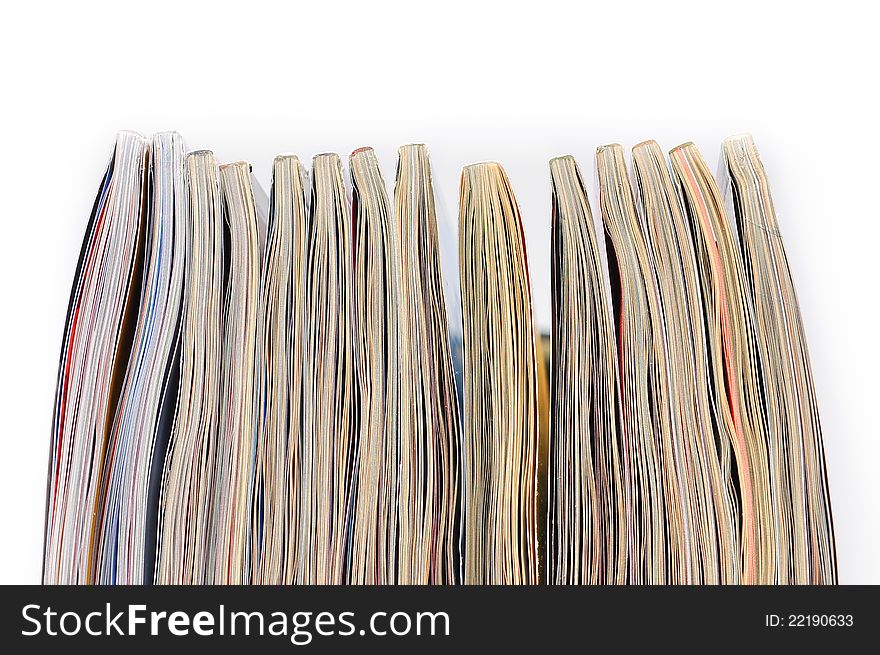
267, 389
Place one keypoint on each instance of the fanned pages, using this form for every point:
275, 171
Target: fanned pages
587, 521
798, 466
430, 445
381, 426
127, 544
658, 550
501, 395
326, 448
703, 452
186, 546
233, 475
276, 520
94, 354
736, 365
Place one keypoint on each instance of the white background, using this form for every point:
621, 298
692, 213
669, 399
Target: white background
515, 83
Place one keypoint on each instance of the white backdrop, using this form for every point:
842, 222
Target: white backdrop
474, 81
